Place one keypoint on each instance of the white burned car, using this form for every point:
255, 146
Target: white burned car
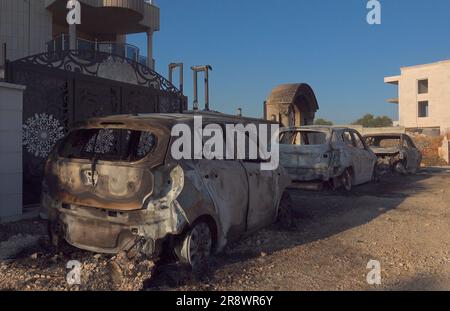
395, 152
112, 185
329, 154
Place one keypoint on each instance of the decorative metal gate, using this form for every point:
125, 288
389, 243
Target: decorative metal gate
70, 86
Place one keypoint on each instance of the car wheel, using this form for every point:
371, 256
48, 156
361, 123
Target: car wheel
400, 168
196, 246
347, 180
285, 213
376, 175
57, 243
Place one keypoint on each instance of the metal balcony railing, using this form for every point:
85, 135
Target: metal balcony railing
62, 43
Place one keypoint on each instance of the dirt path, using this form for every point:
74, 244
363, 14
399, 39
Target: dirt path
403, 222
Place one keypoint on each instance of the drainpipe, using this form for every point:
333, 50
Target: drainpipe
172, 67
196, 70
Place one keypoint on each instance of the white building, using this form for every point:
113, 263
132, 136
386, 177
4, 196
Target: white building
423, 97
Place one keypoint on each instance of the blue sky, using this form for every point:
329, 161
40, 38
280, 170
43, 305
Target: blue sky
254, 45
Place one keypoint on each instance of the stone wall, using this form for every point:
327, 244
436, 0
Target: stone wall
11, 99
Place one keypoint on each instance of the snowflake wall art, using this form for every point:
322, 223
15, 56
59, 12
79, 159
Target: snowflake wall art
40, 134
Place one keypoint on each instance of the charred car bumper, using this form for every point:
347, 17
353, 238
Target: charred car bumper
111, 232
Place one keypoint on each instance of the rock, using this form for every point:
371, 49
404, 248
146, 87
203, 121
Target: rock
116, 273
34, 256
263, 254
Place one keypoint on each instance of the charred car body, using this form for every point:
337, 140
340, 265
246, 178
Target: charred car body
395, 152
112, 185
327, 154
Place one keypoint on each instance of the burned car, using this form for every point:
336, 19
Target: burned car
113, 185
395, 152
334, 155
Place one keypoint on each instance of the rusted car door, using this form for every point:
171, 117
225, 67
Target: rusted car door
355, 155
227, 185
414, 157
262, 195
366, 159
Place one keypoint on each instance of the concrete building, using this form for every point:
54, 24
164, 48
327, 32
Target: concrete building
424, 97
29, 27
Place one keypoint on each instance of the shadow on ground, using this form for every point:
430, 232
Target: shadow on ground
318, 215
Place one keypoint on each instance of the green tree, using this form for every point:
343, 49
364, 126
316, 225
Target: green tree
321, 121
369, 120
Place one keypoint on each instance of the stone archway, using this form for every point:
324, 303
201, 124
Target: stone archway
292, 105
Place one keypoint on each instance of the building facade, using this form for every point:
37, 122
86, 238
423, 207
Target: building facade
29, 27
423, 97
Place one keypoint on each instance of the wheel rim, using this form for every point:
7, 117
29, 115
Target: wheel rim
400, 168
200, 243
347, 181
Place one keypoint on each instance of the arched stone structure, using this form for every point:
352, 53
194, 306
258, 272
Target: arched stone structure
292, 105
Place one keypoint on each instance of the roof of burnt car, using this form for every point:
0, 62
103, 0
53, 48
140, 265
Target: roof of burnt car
385, 135
169, 119
315, 128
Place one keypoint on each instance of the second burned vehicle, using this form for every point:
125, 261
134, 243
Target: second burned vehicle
113, 185
335, 155
395, 152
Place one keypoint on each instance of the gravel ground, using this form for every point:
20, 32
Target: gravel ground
402, 222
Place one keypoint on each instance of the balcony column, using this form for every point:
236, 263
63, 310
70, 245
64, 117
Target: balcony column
73, 37
150, 49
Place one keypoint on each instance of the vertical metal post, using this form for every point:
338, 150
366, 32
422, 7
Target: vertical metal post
207, 89
239, 112
195, 106
204, 69
172, 67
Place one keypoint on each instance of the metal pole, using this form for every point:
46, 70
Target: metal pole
172, 67
181, 65
204, 69
195, 91
206, 89
170, 72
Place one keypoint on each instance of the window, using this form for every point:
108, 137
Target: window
304, 138
108, 144
423, 86
347, 138
359, 142
423, 109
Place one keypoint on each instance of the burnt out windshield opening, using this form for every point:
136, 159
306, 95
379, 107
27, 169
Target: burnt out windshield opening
383, 142
108, 144
303, 138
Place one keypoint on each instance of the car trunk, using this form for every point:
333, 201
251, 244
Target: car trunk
103, 168
305, 157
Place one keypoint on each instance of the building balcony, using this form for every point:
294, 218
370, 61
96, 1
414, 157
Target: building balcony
62, 43
393, 100
105, 17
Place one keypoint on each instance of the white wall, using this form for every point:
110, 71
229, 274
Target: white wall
438, 75
11, 104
